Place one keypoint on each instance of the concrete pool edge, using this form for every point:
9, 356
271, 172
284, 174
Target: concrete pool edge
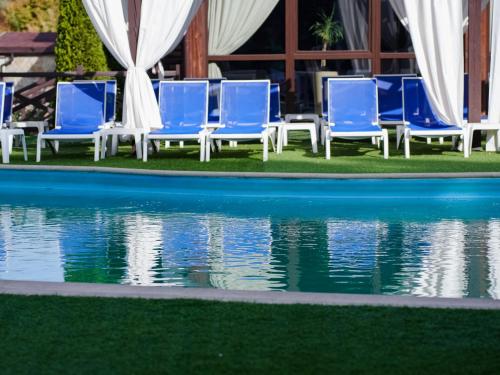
172, 173
35, 288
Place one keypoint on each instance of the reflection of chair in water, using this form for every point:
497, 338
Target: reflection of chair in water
240, 253
354, 245
30, 247
442, 268
185, 250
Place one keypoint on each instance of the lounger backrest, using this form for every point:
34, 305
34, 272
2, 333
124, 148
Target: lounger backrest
416, 105
324, 89
111, 92
275, 110
390, 96
245, 104
9, 101
213, 96
352, 101
2, 101
80, 104
183, 104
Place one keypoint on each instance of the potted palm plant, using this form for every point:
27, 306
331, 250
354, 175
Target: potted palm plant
329, 32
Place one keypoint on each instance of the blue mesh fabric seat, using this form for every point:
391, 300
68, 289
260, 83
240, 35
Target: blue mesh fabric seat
390, 97
353, 112
244, 113
419, 117
6, 94
183, 111
80, 114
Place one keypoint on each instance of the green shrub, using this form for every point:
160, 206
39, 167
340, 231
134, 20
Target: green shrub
77, 41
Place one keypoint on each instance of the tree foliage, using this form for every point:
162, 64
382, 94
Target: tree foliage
29, 15
77, 41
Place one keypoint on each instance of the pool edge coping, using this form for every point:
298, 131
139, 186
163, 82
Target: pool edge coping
63, 289
289, 175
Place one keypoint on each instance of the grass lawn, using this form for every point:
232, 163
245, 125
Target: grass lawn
348, 157
80, 335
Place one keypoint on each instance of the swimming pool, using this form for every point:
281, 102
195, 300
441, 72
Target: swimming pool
435, 237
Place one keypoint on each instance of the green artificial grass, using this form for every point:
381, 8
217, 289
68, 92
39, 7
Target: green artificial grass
348, 157
51, 335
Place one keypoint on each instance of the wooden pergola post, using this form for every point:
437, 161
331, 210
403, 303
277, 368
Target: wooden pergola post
134, 24
474, 61
196, 45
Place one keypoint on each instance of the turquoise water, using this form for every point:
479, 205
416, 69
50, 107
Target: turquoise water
407, 237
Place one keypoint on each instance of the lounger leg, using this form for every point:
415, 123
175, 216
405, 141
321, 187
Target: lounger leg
328, 147
385, 139
467, 135
378, 143
56, 146
145, 148
25, 151
441, 140
266, 145
322, 134
181, 144
219, 145
11, 143
314, 141
39, 148
5, 148
97, 149
279, 140
490, 140
138, 146
374, 141
203, 144
103, 146
208, 145
407, 137
429, 141
285, 137
167, 144
272, 138
399, 134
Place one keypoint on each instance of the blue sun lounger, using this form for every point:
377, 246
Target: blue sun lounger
8, 103
353, 112
390, 98
184, 114
419, 118
245, 108
6, 96
80, 114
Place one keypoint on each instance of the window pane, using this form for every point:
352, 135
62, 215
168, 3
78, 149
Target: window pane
307, 72
395, 38
348, 17
273, 70
400, 66
270, 38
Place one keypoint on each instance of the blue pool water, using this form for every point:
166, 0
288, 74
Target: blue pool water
410, 237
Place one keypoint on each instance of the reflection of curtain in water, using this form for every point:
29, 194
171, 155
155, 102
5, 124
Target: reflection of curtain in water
353, 249
494, 258
353, 14
240, 253
185, 250
30, 244
144, 243
442, 272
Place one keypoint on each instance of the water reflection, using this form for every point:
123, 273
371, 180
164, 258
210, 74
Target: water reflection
144, 246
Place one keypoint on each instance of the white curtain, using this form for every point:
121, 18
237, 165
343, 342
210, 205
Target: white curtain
399, 9
436, 33
354, 21
163, 24
231, 23
494, 101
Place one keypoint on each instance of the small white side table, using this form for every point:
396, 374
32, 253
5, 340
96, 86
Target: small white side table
41, 126
304, 122
492, 135
114, 133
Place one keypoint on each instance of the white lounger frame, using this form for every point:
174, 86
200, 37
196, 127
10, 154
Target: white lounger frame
382, 134
263, 136
200, 137
96, 136
408, 133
